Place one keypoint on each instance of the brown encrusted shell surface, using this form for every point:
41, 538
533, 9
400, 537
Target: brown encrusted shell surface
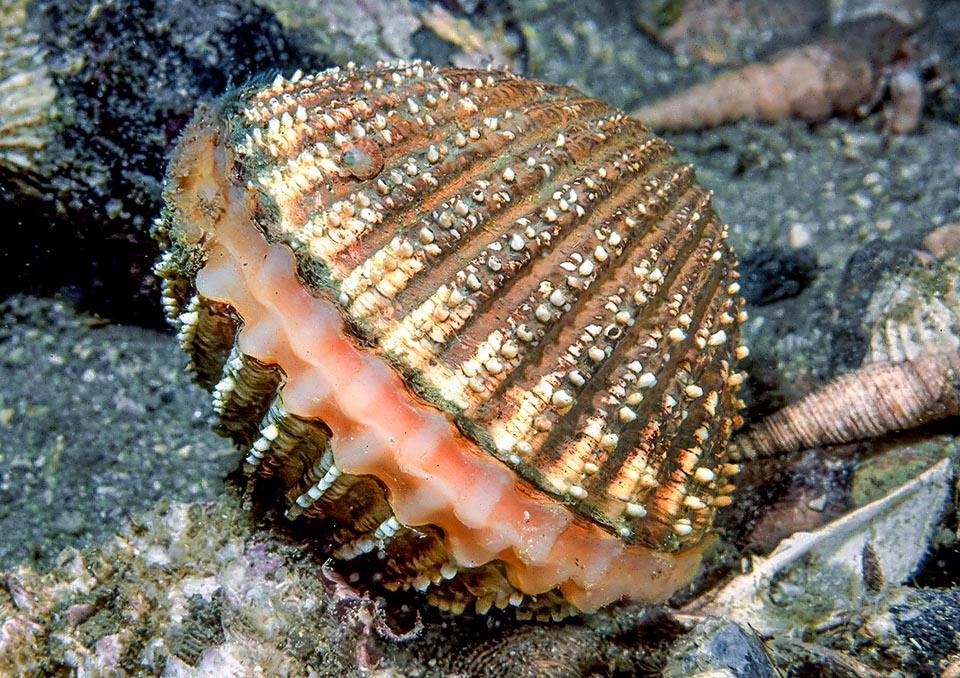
26, 91
477, 331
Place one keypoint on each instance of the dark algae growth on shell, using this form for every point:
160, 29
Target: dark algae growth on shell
478, 333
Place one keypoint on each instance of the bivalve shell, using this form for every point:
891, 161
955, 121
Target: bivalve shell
476, 333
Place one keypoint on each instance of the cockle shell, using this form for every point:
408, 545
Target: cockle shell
476, 332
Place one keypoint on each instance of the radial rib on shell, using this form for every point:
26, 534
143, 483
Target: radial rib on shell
479, 332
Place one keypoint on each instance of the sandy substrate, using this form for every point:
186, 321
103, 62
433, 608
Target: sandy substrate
99, 421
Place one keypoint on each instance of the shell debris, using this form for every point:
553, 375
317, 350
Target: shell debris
844, 74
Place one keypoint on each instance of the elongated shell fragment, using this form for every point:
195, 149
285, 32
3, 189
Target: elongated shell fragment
476, 332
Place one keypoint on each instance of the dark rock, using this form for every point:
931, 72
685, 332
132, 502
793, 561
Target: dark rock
863, 270
716, 644
929, 620
770, 274
128, 74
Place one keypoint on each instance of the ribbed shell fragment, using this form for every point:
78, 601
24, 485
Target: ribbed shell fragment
475, 331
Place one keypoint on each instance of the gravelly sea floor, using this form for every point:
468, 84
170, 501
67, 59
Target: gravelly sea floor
99, 421
96, 422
